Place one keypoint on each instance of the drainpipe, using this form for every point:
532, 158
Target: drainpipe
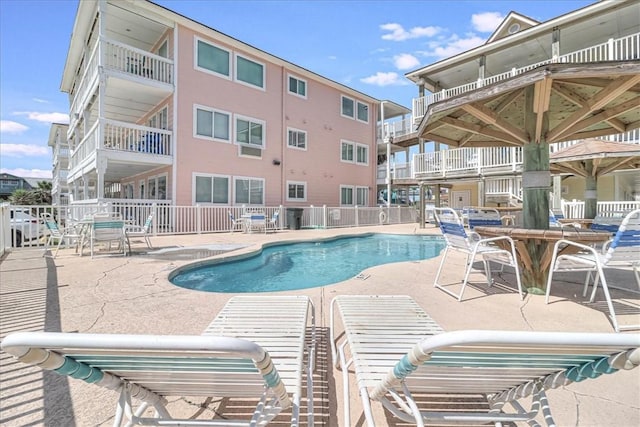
386, 140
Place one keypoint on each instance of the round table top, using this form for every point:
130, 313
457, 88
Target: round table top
552, 234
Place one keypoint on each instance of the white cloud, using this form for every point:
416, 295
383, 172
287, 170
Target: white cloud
405, 61
40, 101
486, 22
45, 117
452, 46
28, 173
384, 79
332, 57
8, 126
396, 32
23, 150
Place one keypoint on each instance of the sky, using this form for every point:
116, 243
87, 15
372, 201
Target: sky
367, 45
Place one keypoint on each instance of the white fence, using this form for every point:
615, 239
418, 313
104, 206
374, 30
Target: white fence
169, 219
575, 209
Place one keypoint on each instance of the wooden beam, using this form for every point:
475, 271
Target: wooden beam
481, 130
617, 124
441, 139
486, 115
601, 99
571, 168
541, 99
512, 96
615, 165
604, 116
568, 94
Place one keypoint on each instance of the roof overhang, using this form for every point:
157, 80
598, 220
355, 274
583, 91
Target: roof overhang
552, 103
595, 157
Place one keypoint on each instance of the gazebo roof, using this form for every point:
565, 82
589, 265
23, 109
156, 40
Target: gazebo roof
580, 101
606, 156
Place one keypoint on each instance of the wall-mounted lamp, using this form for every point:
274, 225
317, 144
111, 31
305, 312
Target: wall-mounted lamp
276, 162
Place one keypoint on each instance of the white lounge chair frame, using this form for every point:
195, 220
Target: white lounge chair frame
279, 324
472, 245
143, 231
236, 223
622, 251
150, 368
481, 216
397, 351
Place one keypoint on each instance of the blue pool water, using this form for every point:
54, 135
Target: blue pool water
290, 266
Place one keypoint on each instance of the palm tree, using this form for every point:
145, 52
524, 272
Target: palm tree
22, 197
42, 194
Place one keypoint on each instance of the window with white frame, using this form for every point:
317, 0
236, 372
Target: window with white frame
297, 86
362, 154
128, 190
249, 191
250, 132
163, 50
249, 72
141, 187
212, 124
346, 151
348, 107
159, 120
296, 191
211, 189
362, 196
363, 112
346, 195
213, 59
157, 187
297, 138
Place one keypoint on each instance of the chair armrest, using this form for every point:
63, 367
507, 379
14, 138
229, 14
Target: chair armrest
574, 244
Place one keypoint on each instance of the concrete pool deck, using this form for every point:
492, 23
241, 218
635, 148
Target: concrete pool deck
115, 294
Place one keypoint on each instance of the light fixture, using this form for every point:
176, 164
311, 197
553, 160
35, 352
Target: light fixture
276, 162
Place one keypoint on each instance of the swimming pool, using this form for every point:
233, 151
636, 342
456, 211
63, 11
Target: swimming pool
291, 266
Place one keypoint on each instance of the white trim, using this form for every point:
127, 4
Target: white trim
298, 183
306, 86
196, 39
248, 156
174, 166
355, 154
197, 107
295, 147
250, 178
250, 120
353, 193
354, 107
353, 146
237, 55
142, 183
358, 103
367, 191
155, 178
195, 175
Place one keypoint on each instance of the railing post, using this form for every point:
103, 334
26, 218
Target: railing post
156, 215
355, 210
198, 219
324, 216
611, 55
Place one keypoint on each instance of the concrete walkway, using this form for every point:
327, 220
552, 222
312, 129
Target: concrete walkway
114, 294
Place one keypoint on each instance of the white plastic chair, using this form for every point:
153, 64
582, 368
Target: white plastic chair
143, 231
62, 235
274, 222
622, 251
480, 216
472, 245
236, 223
397, 351
107, 229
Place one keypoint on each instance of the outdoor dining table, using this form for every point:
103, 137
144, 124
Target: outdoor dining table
534, 249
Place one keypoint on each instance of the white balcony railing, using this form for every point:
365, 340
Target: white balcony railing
396, 129
121, 57
133, 138
622, 49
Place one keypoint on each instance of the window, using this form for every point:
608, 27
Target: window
128, 190
363, 112
157, 187
297, 138
249, 72
249, 191
141, 187
346, 195
362, 154
348, 107
297, 86
296, 191
346, 154
211, 189
163, 50
213, 59
249, 132
362, 196
212, 124
159, 119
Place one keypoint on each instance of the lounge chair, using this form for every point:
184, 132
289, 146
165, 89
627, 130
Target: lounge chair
151, 368
472, 245
622, 251
143, 231
62, 235
478, 216
274, 222
236, 223
402, 357
106, 228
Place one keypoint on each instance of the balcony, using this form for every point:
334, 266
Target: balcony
128, 149
621, 49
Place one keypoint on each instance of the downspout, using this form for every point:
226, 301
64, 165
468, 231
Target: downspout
386, 140
284, 140
174, 145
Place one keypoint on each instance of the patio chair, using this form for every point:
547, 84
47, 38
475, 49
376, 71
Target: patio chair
472, 245
236, 223
274, 222
622, 251
556, 216
107, 229
403, 360
144, 231
478, 216
62, 235
608, 221
153, 368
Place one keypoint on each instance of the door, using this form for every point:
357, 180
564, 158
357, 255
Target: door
460, 199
